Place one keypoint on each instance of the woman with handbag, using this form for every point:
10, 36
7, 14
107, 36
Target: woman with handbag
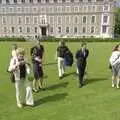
20, 69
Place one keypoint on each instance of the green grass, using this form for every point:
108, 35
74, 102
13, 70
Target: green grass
63, 100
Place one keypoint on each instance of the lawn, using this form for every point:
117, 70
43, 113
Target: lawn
62, 99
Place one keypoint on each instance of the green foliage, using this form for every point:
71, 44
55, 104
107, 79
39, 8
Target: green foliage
12, 39
117, 23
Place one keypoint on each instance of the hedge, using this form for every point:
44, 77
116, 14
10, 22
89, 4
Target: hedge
13, 39
65, 39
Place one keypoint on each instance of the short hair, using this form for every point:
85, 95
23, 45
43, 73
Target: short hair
20, 51
84, 43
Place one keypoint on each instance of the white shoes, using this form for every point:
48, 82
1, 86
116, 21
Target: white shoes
20, 105
113, 85
118, 86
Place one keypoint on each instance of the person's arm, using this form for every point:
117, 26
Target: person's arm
13, 65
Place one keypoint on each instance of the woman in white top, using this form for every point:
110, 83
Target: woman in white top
115, 65
20, 69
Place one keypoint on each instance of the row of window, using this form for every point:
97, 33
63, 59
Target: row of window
60, 20
59, 30
45, 1
54, 9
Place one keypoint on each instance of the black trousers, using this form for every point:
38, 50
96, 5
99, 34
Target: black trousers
81, 69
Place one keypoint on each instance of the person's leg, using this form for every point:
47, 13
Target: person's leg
18, 93
62, 67
59, 67
113, 81
118, 81
80, 76
29, 96
35, 85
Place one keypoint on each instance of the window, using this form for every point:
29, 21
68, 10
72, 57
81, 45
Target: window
72, 1
5, 29
55, 1
67, 19
7, 1
59, 29
59, 20
4, 20
22, 1
11, 10
59, 9
30, 1
106, 8
19, 20
76, 20
104, 29
67, 9
47, 1
15, 1
20, 29
39, 1
28, 30
84, 29
105, 19
76, 9
67, 30
12, 29
35, 20
92, 30
19, 9
99, 0
75, 30
84, 19
93, 19
89, 0
51, 20
27, 20
36, 29
63, 1
0, 1
51, 30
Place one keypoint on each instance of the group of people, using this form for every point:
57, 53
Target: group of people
65, 57
20, 68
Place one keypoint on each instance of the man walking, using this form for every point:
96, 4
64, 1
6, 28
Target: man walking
81, 56
61, 52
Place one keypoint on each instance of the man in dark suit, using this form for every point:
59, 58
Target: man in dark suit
81, 56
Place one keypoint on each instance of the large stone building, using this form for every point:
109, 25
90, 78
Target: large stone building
59, 18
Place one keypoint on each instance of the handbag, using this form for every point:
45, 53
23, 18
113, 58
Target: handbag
12, 77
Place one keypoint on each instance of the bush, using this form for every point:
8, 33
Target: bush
52, 39
13, 39
81, 40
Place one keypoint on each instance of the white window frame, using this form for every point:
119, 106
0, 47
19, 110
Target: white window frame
107, 19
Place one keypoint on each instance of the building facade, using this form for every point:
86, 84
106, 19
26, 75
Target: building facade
58, 18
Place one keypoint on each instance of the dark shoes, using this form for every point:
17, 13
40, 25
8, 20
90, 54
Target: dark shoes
81, 85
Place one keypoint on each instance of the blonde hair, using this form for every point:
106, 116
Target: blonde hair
20, 51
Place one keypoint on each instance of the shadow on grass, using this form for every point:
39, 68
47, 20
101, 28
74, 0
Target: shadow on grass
51, 98
51, 63
69, 74
92, 80
55, 86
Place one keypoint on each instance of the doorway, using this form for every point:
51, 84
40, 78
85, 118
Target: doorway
43, 31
